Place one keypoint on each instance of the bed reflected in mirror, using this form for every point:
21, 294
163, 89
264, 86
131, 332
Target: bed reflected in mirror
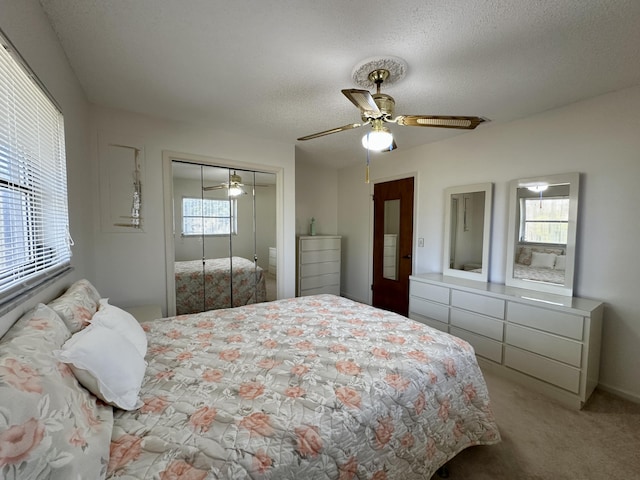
542, 226
467, 231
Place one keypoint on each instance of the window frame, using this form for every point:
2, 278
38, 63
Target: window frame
34, 215
233, 216
524, 221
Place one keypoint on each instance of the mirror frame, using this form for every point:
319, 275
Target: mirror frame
573, 180
447, 271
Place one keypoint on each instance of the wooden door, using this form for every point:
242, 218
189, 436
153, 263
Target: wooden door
392, 244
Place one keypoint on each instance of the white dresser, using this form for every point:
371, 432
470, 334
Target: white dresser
318, 263
549, 342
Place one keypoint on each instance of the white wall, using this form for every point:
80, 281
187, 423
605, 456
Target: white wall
130, 266
28, 29
600, 138
317, 197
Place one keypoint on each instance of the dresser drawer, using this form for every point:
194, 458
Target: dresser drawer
552, 346
443, 327
320, 244
489, 327
550, 371
493, 307
312, 269
320, 256
427, 309
319, 281
332, 289
429, 292
551, 321
483, 346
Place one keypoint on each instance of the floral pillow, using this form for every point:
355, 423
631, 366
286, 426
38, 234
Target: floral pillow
50, 427
77, 305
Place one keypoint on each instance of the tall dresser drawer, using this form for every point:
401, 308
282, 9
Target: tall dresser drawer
550, 371
332, 289
320, 256
320, 244
319, 281
310, 269
429, 309
483, 346
493, 307
551, 321
430, 292
552, 346
489, 327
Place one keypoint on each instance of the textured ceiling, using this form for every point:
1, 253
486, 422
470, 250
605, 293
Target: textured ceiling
274, 69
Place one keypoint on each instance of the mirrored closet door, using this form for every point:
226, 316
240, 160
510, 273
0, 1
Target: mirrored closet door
224, 237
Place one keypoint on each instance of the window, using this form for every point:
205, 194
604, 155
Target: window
208, 216
34, 221
544, 220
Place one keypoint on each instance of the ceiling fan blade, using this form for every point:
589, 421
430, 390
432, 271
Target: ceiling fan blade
333, 130
213, 187
363, 100
440, 121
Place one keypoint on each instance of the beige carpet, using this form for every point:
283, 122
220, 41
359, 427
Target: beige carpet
545, 440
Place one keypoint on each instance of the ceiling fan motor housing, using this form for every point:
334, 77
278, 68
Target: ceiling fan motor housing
386, 104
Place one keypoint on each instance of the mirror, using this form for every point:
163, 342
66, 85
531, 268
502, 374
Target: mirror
467, 231
543, 214
391, 232
224, 236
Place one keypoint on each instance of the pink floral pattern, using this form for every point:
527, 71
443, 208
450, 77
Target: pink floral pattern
50, 427
77, 305
390, 396
196, 292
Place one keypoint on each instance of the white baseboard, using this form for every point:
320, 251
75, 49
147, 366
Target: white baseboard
632, 397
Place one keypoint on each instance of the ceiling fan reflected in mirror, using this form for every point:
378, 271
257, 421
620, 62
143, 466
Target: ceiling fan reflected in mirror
234, 186
378, 109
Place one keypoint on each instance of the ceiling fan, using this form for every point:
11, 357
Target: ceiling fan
234, 186
378, 109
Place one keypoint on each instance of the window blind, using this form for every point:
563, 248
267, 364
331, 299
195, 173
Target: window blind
34, 238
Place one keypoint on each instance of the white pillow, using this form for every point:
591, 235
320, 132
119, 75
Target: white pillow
543, 260
561, 262
106, 364
123, 322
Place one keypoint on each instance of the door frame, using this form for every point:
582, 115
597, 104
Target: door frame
168, 157
414, 255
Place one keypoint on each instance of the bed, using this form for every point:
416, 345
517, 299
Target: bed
311, 387
540, 263
199, 289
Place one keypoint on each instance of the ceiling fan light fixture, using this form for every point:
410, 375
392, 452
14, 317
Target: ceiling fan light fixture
377, 139
538, 188
236, 191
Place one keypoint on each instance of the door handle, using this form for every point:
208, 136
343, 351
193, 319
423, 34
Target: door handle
408, 257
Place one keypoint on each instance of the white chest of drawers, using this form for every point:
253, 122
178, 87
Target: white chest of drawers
318, 265
549, 342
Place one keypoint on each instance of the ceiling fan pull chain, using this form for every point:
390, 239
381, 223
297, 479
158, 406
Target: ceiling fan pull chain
366, 175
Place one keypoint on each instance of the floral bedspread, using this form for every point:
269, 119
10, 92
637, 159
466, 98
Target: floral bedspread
305, 388
196, 292
548, 275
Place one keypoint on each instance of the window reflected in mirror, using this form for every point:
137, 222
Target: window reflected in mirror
543, 223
